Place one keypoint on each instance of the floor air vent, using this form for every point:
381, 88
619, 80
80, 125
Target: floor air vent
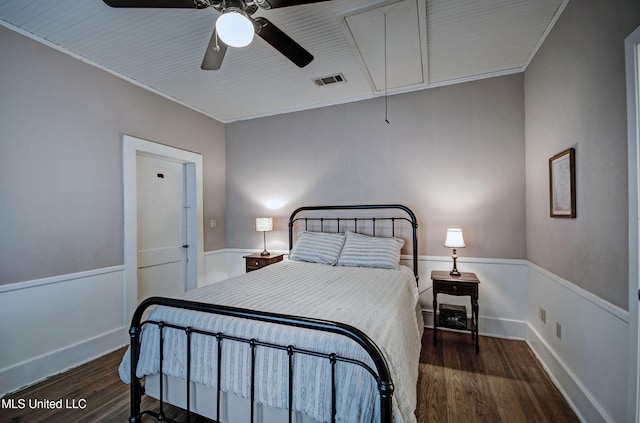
331, 79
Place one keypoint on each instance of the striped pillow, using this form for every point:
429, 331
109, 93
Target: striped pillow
367, 251
317, 247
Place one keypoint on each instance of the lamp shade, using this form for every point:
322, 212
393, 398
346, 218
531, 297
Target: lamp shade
454, 238
264, 224
235, 29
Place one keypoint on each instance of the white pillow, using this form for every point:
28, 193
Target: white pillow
317, 247
367, 251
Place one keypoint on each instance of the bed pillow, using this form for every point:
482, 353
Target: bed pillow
367, 251
317, 247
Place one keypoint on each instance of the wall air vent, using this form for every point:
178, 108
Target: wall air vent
331, 79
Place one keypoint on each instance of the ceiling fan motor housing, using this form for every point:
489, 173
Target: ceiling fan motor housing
249, 26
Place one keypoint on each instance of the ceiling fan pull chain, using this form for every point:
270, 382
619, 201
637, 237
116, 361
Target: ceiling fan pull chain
386, 114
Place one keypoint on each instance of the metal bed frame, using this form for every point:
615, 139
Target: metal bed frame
381, 372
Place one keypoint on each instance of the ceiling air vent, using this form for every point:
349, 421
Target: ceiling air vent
331, 79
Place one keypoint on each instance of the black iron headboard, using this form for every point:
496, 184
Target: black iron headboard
411, 219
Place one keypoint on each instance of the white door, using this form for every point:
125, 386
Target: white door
161, 198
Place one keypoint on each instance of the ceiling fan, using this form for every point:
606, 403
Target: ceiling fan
235, 27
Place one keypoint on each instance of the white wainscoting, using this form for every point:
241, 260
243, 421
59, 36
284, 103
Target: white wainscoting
589, 362
215, 266
53, 324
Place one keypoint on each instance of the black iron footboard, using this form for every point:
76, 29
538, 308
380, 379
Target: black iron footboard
380, 373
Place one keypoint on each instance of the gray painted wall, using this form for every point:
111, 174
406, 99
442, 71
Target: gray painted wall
455, 155
61, 124
575, 97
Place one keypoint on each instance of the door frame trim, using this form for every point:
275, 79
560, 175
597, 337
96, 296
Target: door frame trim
131, 146
633, 133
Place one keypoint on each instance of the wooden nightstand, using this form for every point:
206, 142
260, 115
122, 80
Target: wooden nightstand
465, 284
256, 261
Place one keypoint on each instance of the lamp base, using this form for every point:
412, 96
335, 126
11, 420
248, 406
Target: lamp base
454, 271
265, 252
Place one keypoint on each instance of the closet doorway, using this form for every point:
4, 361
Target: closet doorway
152, 256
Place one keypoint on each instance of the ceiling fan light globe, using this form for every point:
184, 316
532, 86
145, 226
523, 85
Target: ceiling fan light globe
235, 29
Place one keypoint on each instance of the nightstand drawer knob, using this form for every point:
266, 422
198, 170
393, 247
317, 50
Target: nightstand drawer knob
455, 288
257, 263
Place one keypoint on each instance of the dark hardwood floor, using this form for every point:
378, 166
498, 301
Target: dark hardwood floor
504, 383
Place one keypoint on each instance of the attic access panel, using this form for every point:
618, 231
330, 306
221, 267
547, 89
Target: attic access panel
404, 64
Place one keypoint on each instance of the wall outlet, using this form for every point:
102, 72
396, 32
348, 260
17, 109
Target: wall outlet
213, 223
558, 330
543, 315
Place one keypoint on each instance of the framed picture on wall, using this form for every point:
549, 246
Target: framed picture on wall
562, 184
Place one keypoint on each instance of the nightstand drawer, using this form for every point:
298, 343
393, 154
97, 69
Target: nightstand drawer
257, 261
456, 288
253, 264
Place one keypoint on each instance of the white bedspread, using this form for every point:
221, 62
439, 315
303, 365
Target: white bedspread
382, 303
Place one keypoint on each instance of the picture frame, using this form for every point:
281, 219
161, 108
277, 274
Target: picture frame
562, 184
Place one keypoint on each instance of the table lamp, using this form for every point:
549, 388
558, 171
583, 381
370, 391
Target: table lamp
454, 241
264, 224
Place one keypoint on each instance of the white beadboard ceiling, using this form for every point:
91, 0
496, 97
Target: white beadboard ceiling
428, 43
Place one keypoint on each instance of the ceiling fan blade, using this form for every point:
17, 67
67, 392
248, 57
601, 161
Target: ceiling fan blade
282, 42
183, 4
214, 54
274, 4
